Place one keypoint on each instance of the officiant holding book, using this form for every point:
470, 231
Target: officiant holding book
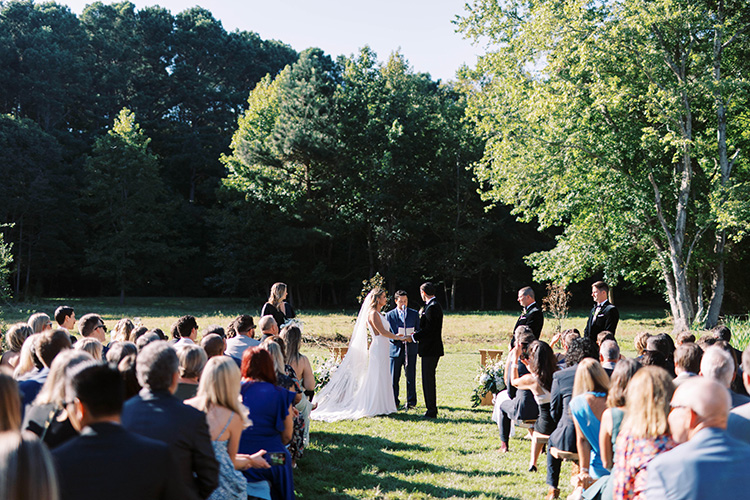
403, 321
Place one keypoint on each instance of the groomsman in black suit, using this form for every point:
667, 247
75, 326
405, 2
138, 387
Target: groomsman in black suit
430, 345
604, 316
532, 314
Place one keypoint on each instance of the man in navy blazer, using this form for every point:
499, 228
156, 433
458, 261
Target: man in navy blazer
157, 414
430, 345
403, 354
106, 461
709, 463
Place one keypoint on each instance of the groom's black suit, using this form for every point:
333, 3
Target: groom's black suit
430, 349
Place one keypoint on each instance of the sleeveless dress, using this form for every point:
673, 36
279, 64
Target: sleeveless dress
589, 424
232, 484
374, 396
544, 423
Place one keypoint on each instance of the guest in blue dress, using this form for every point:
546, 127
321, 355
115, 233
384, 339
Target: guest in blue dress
588, 403
271, 414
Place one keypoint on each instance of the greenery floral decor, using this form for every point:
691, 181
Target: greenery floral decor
490, 378
323, 370
376, 281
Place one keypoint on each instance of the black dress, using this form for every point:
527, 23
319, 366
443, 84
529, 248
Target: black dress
269, 309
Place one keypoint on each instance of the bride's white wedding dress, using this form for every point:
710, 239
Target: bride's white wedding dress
361, 386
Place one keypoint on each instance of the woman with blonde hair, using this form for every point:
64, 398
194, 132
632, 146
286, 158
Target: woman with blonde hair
15, 337
91, 346
27, 470
275, 306
645, 431
219, 397
39, 322
192, 359
46, 416
28, 362
122, 330
10, 403
589, 402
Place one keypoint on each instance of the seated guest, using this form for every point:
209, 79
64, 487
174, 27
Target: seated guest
684, 337
187, 330
653, 358
687, 361
65, 316
739, 418
27, 471
137, 333
127, 370
39, 322
271, 413
46, 416
28, 362
603, 336
146, 339
709, 463
214, 345
564, 436
645, 431
615, 413
119, 351
718, 364
286, 378
609, 355
157, 414
10, 404
15, 337
91, 346
588, 403
268, 327
219, 397
244, 333
51, 343
292, 335
214, 329
542, 366
664, 344
107, 460
192, 361
640, 341
737, 385
92, 325
565, 337
522, 406
122, 330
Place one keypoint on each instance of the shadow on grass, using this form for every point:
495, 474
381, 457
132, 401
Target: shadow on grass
339, 462
442, 417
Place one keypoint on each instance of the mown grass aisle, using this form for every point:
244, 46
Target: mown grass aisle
404, 456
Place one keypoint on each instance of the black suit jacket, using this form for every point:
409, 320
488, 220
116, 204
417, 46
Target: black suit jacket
430, 333
564, 435
533, 318
106, 461
161, 416
606, 320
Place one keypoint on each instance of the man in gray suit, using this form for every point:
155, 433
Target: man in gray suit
739, 418
709, 463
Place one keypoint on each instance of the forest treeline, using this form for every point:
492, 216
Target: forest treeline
148, 153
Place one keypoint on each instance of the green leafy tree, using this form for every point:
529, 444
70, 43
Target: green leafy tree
620, 123
131, 240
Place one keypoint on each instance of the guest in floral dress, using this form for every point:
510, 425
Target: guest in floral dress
645, 431
219, 397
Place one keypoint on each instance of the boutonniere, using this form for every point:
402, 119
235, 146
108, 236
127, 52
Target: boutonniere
421, 311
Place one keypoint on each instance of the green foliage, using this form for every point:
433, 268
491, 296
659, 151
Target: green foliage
370, 284
131, 216
6, 260
490, 378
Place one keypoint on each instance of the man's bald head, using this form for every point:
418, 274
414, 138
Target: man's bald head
267, 324
718, 365
698, 403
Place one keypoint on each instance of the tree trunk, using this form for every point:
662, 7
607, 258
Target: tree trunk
122, 295
499, 303
453, 294
717, 296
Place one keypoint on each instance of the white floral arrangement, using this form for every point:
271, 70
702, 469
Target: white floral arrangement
323, 370
490, 378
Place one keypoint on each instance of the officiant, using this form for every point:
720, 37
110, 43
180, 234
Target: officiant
403, 321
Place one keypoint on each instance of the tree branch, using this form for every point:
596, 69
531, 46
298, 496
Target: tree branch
695, 240
734, 37
659, 212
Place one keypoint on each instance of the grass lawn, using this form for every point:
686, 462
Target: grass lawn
397, 456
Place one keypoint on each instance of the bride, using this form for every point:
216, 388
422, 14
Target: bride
361, 386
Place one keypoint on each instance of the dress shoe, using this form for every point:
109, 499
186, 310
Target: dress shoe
503, 447
429, 416
532, 468
553, 494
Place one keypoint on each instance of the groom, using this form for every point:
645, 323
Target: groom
429, 345
403, 354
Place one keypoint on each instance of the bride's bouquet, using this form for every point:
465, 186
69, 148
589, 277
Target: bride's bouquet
491, 378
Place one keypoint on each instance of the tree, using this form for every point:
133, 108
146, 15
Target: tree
616, 121
131, 238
